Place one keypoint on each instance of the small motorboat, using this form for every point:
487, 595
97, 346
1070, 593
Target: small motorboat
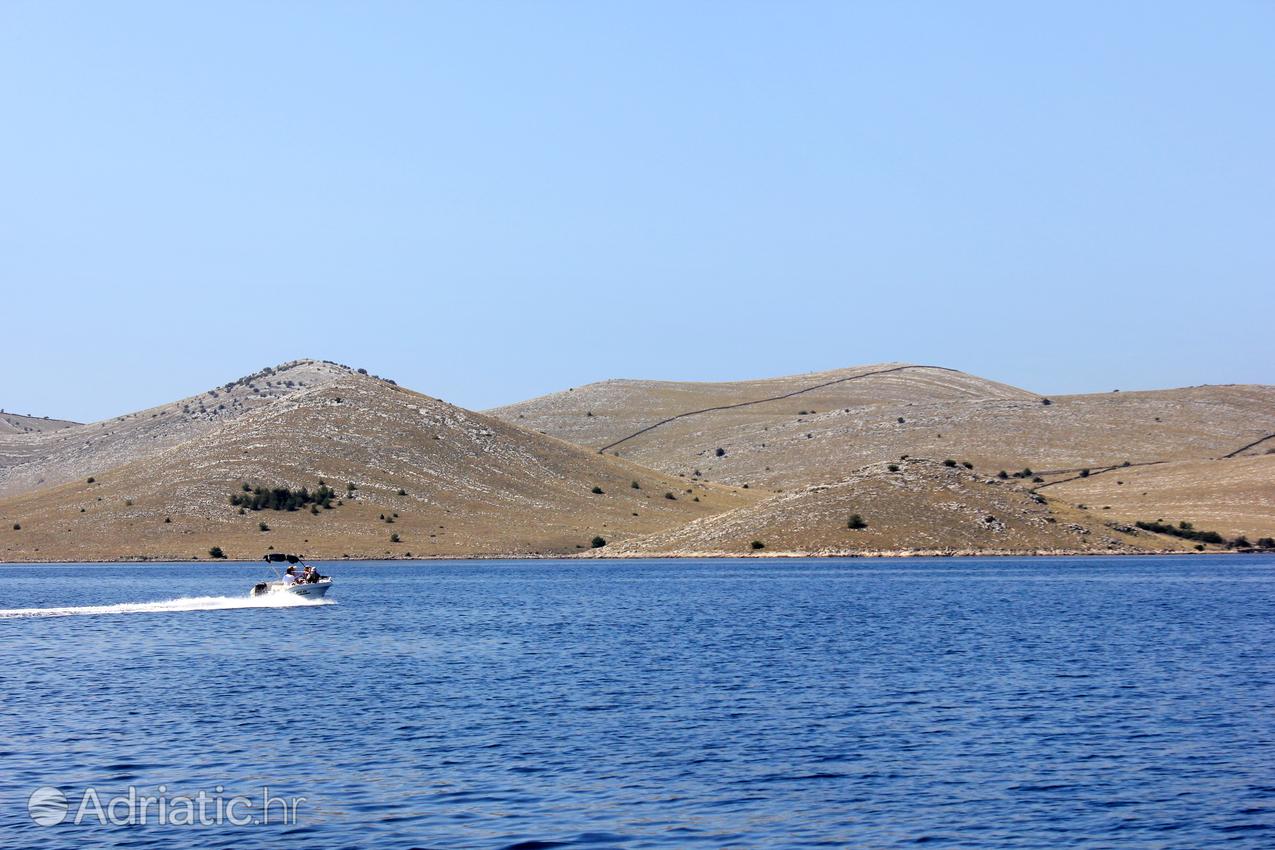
315, 589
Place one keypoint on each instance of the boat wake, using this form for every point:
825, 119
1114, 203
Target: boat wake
186, 603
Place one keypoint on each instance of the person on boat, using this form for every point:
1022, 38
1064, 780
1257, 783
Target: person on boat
290, 577
308, 577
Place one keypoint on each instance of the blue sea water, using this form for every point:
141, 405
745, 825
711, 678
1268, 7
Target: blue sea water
998, 703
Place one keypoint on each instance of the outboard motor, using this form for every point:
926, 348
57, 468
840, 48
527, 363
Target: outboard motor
259, 588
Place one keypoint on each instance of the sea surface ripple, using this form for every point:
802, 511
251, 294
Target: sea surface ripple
992, 703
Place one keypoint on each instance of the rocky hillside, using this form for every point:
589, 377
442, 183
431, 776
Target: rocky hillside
793, 433
1234, 496
37, 459
615, 415
16, 423
411, 474
908, 507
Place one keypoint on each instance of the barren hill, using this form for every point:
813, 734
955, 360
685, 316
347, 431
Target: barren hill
35, 459
446, 481
616, 415
16, 423
1234, 496
805, 430
909, 507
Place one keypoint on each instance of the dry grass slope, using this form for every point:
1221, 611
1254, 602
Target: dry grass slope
31, 460
918, 507
826, 435
16, 423
453, 482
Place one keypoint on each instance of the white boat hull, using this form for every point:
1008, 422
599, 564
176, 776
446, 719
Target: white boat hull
317, 590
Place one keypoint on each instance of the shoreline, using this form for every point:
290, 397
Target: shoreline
693, 556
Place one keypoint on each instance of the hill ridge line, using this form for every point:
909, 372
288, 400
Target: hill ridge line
764, 400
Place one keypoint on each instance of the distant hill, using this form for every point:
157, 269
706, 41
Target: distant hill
16, 423
914, 506
795, 432
78, 451
446, 481
620, 411
648, 467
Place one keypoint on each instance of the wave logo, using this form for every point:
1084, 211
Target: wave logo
47, 806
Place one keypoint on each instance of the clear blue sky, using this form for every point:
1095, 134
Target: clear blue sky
489, 201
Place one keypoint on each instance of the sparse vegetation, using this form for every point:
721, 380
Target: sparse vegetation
17, 526
757, 544
394, 538
282, 498
597, 491
967, 464
1084, 473
635, 485
263, 526
893, 467
856, 523
1002, 475
1184, 530
215, 552
720, 452
402, 492
949, 462
670, 496
91, 480
598, 542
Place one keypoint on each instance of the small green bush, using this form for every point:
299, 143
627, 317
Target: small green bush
635, 485
263, 526
598, 542
856, 523
949, 462
597, 491
215, 552
894, 467
757, 544
394, 538
669, 496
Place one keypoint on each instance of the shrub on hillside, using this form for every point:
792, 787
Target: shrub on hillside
757, 544
282, 498
856, 523
1183, 529
215, 552
597, 542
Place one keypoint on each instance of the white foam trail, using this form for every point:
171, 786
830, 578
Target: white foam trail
186, 603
